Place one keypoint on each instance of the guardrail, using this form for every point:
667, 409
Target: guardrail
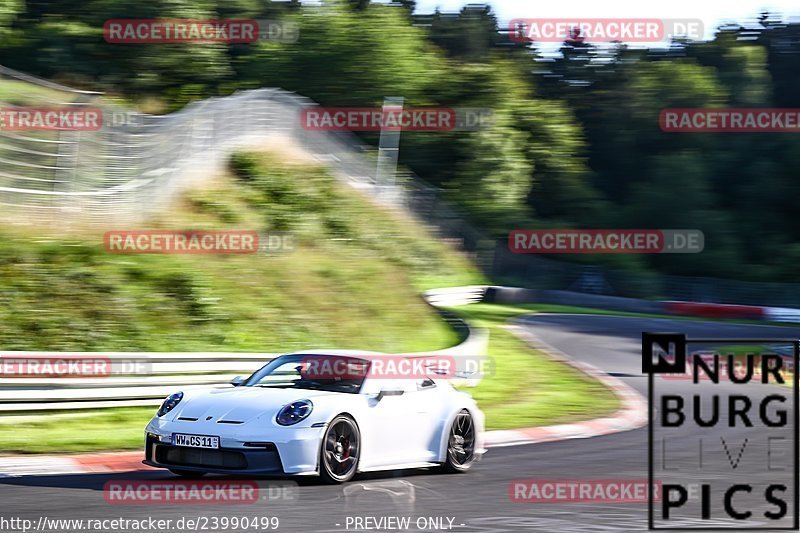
134, 379
160, 374
514, 295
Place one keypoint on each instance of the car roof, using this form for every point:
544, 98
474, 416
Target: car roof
334, 353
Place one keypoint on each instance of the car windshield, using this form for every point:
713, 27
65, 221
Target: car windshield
330, 373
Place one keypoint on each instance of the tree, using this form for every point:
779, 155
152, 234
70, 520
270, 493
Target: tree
347, 58
468, 35
9, 10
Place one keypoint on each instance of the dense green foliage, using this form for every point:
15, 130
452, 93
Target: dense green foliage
576, 141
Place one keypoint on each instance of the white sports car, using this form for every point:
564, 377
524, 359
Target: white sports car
281, 421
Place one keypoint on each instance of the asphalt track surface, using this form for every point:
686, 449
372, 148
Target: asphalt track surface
479, 500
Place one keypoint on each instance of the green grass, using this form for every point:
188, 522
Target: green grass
528, 388
92, 430
21, 93
352, 282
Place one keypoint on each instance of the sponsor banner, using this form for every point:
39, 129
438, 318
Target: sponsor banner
603, 30
581, 491
714, 310
51, 118
730, 120
605, 241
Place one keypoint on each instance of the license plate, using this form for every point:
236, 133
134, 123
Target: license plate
195, 441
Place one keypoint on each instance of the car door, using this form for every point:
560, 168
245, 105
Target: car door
389, 433
424, 403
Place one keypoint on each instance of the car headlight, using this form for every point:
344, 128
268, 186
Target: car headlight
170, 403
294, 412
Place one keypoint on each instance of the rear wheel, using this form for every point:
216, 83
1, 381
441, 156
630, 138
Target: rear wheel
460, 444
340, 450
188, 474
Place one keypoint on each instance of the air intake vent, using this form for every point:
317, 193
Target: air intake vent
230, 422
187, 418
266, 445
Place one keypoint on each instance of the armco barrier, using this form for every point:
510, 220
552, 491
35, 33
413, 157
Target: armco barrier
167, 371
474, 341
146, 378
515, 295
133, 379
781, 314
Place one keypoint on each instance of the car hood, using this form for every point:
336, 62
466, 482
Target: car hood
239, 404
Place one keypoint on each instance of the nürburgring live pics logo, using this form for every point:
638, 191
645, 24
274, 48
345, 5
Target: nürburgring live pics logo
731, 426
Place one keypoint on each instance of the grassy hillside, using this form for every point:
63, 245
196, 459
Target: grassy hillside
353, 280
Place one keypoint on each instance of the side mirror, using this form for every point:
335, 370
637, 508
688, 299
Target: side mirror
238, 380
390, 392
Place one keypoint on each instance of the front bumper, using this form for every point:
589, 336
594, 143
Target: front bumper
285, 451
261, 461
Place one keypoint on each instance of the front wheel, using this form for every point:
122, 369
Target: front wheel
340, 450
460, 444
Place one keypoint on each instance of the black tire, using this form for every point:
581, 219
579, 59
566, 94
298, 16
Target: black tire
460, 444
188, 474
340, 450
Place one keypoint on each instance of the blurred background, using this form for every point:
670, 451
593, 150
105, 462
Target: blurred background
575, 143
216, 144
